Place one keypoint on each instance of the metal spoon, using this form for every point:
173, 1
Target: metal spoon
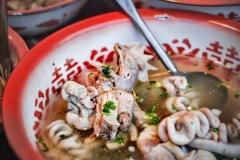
208, 80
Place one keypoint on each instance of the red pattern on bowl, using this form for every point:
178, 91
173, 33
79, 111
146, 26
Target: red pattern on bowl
68, 54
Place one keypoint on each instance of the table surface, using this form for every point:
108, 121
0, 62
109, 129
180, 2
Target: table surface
92, 8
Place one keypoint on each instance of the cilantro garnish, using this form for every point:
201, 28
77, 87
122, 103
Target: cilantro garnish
107, 70
129, 156
107, 106
194, 108
215, 130
62, 136
140, 99
119, 140
53, 64
188, 85
118, 117
173, 107
41, 141
218, 85
152, 82
149, 88
152, 118
164, 95
54, 145
236, 95
101, 136
209, 66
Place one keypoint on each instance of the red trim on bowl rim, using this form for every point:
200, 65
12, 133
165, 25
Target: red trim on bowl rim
206, 2
43, 9
15, 86
14, 37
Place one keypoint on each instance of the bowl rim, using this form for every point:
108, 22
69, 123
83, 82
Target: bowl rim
12, 118
206, 2
43, 9
17, 40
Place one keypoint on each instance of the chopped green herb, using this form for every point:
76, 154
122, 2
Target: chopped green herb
149, 88
62, 136
129, 156
40, 140
194, 108
140, 99
53, 64
209, 66
107, 106
54, 145
152, 118
119, 140
106, 70
164, 95
188, 85
118, 117
215, 130
173, 107
218, 85
236, 95
227, 79
100, 136
152, 82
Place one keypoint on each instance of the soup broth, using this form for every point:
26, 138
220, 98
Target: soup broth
151, 97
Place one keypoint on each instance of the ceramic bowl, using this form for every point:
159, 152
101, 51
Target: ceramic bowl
67, 54
29, 23
17, 45
220, 8
17, 49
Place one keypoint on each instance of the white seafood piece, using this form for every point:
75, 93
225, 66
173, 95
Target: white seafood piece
214, 122
227, 149
182, 127
148, 139
131, 65
142, 59
63, 137
106, 126
82, 94
57, 129
113, 145
216, 112
99, 80
80, 122
139, 116
170, 151
70, 142
133, 132
173, 84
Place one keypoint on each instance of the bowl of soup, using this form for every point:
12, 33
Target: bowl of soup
97, 90
33, 18
223, 8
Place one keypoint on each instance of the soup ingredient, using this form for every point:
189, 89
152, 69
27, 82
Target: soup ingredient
3, 81
30, 4
132, 64
170, 151
118, 117
182, 127
80, 104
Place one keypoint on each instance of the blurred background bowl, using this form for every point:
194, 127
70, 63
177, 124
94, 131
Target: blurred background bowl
34, 22
67, 54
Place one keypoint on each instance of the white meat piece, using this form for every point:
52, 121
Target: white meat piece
173, 84
148, 139
106, 125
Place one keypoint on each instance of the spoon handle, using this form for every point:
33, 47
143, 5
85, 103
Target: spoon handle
129, 9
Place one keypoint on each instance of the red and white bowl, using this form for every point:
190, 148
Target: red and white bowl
224, 8
29, 23
68, 53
